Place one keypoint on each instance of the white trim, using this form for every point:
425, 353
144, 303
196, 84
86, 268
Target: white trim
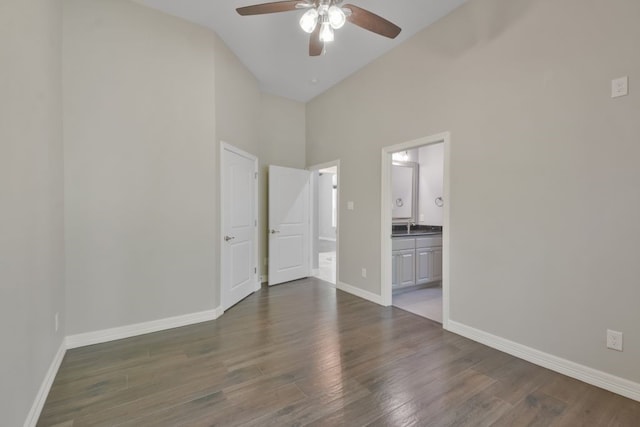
325, 165
256, 241
112, 334
361, 293
386, 220
43, 392
580, 372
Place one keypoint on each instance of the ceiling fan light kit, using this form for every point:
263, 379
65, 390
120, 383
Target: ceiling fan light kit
323, 17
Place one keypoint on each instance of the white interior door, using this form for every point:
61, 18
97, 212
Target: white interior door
239, 276
289, 226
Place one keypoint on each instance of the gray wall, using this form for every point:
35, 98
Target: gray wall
544, 167
140, 157
148, 97
281, 126
31, 224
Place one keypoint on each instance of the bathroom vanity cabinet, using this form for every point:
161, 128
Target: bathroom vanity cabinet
416, 260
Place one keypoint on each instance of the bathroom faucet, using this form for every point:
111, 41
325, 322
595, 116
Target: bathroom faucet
409, 225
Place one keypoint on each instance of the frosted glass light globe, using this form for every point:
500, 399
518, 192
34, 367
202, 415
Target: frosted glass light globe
337, 18
309, 20
326, 32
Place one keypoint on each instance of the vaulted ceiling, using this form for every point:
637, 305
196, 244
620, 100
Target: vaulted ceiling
275, 49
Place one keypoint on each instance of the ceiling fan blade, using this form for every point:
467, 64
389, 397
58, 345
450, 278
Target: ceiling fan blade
372, 22
316, 46
274, 7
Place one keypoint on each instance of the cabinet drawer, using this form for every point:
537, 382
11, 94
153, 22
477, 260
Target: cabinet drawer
403, 243
427, 242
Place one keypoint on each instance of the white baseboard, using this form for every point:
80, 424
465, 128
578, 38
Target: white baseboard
106, 335
580, 372
43, 392
369, 296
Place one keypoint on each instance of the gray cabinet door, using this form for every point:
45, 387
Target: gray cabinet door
428, 265
396, 259
436, 273
406, 267
424, 265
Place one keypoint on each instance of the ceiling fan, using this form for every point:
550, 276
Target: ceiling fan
323, 17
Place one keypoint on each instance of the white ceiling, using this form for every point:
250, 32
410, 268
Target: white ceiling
275, 49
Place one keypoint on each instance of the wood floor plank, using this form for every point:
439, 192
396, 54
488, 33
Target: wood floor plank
304, 353
536, 409
314, 407
434, 400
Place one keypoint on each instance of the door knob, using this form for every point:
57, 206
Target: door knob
274, 231
227, 238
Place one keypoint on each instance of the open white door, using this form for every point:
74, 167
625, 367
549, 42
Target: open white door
289, 226
239, 227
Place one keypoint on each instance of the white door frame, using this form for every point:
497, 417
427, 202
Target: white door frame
226, 146
386, 220
314, 168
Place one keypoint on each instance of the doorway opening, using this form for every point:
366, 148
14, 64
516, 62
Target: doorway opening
324, 225
415, 227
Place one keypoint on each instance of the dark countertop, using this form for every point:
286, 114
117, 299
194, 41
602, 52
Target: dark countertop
417, 230
414, 233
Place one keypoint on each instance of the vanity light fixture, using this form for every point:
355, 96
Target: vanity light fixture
400, 156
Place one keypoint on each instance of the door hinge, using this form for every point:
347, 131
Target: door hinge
255, 270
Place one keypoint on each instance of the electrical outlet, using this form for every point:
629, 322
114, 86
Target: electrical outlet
614, 340
350, 205
56, 322
620, 87
364, 273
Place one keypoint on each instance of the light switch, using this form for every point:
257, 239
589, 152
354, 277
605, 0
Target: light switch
620, 87
350, 206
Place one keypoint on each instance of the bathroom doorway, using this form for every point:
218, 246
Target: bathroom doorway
414, 227
325, 222
417, 190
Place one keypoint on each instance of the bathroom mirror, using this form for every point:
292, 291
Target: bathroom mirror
404, 191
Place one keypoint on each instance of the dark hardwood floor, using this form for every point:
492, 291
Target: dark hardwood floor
305, 354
